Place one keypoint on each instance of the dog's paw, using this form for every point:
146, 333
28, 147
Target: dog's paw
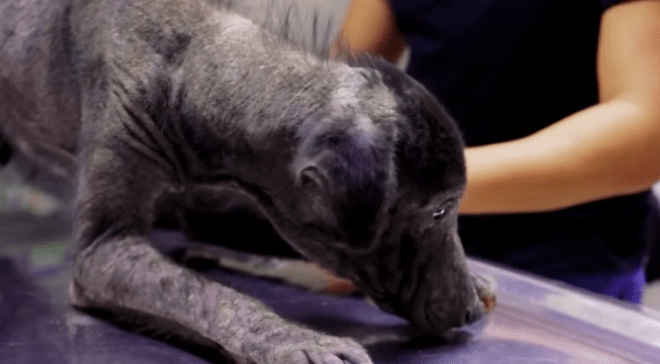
309, 347
486, 290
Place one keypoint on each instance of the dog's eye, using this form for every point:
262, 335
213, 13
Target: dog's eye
439, 213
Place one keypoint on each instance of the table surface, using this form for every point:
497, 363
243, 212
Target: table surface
536, 321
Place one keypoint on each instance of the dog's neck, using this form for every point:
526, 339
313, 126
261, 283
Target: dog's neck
245, 122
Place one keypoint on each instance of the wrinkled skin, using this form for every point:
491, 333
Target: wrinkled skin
141, 104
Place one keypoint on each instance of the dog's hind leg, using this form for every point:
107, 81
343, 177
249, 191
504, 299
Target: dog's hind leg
231, 234
296, 272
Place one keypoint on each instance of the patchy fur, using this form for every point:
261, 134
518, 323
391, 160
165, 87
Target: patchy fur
139, 105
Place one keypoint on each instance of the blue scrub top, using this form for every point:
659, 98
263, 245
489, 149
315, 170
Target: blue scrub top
505, 69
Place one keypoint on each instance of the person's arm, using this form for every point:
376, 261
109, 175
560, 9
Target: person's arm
369, 27
607, 150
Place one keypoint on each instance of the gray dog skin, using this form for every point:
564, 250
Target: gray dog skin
138, 103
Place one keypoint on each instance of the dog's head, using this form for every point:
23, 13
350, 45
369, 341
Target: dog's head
376, 183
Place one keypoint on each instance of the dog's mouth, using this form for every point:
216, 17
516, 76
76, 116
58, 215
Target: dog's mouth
434, 323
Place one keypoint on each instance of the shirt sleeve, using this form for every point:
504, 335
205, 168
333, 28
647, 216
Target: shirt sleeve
606, 4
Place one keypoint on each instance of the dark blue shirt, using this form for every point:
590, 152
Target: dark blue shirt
505, 69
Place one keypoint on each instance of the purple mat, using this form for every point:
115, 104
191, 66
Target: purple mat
535, 322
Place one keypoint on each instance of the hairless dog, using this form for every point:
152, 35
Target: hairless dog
144, 104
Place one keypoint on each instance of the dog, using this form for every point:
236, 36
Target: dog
142, 105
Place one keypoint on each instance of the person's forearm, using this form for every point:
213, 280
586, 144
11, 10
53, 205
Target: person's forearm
607, 150
369, 27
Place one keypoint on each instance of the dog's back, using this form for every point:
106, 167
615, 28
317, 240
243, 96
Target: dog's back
53, 53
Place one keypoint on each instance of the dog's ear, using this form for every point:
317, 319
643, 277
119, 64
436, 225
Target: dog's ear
312, 176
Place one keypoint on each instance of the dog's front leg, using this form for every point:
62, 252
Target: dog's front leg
118, 270
127, 274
